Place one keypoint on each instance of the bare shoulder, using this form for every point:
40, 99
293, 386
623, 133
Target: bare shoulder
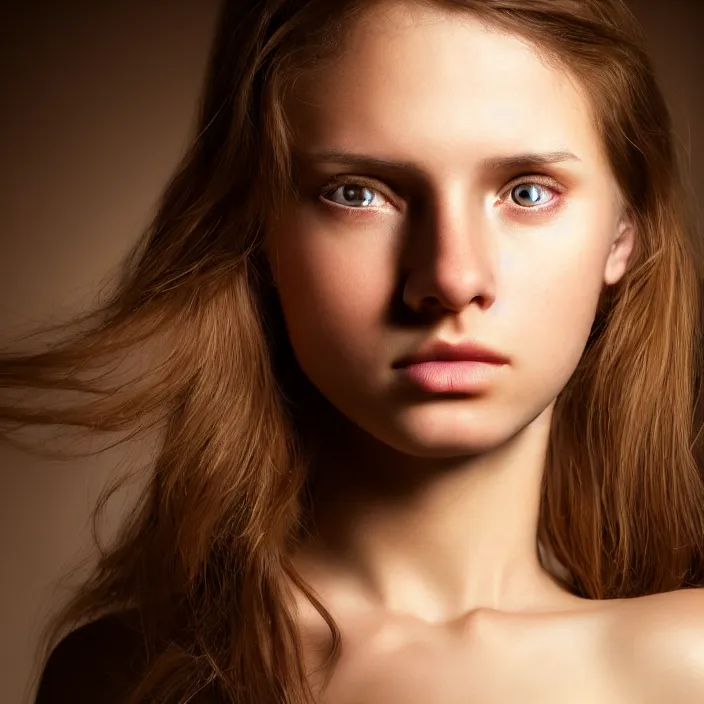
98, 662
659, 643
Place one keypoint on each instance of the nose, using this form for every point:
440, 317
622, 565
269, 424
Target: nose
449, 262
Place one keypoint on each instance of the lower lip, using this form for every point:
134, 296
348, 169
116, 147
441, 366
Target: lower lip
452, 377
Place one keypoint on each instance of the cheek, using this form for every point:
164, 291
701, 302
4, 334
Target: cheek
553, 302
565, 284
334, 289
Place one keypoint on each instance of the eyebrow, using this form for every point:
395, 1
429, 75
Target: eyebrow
514, 161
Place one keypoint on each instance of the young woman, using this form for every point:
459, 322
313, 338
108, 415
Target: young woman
421, 306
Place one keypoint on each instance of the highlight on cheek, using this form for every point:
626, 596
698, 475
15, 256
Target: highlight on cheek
506, 263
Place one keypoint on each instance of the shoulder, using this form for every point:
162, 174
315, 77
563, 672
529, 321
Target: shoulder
661, 646
98, 662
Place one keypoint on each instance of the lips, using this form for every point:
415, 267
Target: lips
441, 351
465, 368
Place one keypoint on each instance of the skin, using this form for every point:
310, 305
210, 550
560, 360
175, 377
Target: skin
427, 505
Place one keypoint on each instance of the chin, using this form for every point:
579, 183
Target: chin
443, 450
447, 447
444, 433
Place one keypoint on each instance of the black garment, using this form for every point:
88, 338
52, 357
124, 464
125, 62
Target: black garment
98, 663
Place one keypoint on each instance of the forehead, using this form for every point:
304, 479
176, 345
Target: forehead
444, 86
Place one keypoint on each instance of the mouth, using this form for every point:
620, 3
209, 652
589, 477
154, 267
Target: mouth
441, 351
441, 367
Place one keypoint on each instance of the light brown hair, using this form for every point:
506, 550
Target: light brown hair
204, 556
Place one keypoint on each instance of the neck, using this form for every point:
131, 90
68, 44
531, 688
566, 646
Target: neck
432, 538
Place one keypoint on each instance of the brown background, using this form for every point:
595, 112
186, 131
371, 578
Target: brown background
97, 100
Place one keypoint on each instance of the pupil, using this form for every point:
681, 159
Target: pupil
356, 193
532, 193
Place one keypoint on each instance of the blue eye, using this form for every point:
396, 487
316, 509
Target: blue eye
351, 191
530, 194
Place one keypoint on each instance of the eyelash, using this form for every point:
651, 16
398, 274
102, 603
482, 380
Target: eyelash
528, 179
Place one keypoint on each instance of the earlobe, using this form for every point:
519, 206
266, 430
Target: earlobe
621, 249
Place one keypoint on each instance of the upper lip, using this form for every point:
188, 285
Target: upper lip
441, 351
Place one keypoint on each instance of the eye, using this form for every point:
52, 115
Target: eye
354, 194
530, 194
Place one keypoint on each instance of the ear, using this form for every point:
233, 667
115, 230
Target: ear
620, 252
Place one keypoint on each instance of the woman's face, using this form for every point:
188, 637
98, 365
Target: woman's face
461, 236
